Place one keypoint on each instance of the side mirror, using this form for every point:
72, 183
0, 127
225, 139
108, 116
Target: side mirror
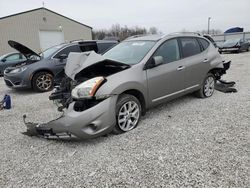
3, 60
157, 60
62, 57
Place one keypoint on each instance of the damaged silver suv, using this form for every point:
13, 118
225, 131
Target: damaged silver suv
110, 92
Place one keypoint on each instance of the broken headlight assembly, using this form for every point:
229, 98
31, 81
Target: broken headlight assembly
87, 89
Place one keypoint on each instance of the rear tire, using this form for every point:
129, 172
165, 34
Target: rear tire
207, 88
128, 113
43, 81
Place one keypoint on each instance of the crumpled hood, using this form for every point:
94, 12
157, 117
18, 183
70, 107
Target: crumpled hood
76, 62
22, 49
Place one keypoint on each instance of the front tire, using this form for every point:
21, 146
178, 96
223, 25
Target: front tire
128, 113
43, 81
207, 88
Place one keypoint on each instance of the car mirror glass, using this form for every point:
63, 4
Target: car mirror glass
154, 62
157, 60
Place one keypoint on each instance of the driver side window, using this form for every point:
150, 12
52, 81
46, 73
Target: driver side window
169, 51
67, 50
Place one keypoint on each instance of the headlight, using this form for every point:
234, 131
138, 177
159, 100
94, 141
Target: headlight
18, 70
88, 88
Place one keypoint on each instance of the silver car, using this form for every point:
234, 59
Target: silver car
110, 92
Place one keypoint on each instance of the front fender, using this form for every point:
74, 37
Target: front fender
133, 78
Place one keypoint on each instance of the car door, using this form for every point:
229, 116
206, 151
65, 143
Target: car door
167, 79
58, 62
197, 60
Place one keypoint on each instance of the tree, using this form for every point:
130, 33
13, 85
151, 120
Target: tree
153, 30
123, 32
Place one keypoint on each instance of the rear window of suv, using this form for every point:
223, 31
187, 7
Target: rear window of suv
190, 46
204, 43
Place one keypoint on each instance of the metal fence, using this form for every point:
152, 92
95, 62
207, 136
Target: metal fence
225, 36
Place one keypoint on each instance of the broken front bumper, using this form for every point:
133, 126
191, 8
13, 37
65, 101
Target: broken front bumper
93, 122
228, 49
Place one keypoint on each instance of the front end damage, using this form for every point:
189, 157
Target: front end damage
87, 117
78, 121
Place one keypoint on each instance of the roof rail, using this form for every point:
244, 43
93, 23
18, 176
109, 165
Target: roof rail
76, 40
194, 33
135, 36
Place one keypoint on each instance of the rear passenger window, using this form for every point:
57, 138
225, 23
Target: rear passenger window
190, 46
89, 47
169, 51
204, 43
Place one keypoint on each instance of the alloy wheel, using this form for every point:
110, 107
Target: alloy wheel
44, 82
128, 115
209, 86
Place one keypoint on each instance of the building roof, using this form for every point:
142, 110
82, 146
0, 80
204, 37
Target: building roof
42, 8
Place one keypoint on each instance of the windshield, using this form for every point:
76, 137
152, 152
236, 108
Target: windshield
129, 52
232, 41
46, 53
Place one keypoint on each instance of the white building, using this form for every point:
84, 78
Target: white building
39, 29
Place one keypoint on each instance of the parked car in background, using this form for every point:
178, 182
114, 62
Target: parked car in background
10, 59
39, 70
110, 92
234, 45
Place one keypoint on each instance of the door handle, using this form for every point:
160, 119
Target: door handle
205, 60
181, 68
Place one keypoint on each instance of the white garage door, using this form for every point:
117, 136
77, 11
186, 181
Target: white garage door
50, 38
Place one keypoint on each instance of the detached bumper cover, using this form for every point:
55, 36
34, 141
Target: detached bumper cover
93, 122
225, 87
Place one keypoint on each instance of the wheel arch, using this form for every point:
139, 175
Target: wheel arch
217, 72
136, 93
40, 70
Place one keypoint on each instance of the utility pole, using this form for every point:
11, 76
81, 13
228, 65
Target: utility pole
208, 24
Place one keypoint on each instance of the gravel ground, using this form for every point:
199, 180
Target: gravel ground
188, 142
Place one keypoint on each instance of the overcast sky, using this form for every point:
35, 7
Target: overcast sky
167, 15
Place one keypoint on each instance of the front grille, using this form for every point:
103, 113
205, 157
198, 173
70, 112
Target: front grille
8, 83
